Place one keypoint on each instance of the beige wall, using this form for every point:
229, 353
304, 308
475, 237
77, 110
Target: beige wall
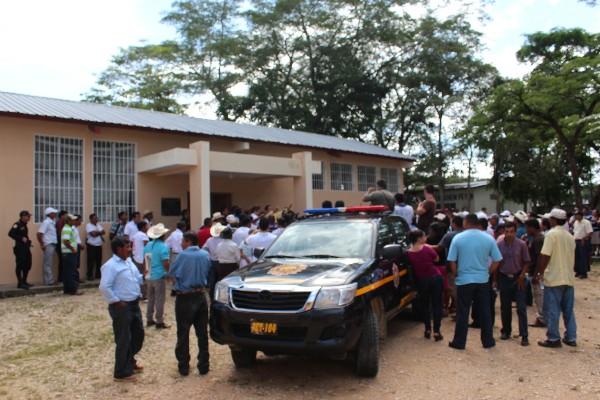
16, 176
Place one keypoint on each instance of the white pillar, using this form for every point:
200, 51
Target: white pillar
303, 194
200, 185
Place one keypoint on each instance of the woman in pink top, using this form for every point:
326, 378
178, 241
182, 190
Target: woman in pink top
422, 258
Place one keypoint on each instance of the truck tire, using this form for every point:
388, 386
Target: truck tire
367, 349
243, 358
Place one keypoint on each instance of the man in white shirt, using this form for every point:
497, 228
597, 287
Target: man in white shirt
139, 241
582, 231
47, 238
228, 255
131, 228
261, 239
174, 241
94, 241
403, 210
243, 231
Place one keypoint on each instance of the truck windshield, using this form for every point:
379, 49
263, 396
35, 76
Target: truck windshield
343, 239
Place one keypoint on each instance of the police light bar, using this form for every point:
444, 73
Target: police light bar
341, 210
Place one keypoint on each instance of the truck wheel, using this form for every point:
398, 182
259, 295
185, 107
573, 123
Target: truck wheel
367, 350
243, 358
379, 310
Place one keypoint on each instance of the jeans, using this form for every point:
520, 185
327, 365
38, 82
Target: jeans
156, 300
475, 311
466, 294
70, 273
430, 293
128, 329
559, 299
48, 264
191, 309
94, 262
581, 258
509, 290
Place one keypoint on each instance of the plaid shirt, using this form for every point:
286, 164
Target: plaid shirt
117, 229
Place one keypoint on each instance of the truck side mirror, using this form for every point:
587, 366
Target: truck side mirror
391, 252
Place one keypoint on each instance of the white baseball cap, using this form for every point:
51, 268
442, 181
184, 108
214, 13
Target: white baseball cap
557, 213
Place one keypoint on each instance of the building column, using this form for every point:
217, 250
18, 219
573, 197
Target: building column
200, 185
303, 193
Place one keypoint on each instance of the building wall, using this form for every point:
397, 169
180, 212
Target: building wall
17, 176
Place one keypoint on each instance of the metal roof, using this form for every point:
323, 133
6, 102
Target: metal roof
458, 186
35, 106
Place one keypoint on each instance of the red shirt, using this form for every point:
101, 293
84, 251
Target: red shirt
422, 262
203, 235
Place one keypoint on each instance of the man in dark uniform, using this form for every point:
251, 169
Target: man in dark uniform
20, 234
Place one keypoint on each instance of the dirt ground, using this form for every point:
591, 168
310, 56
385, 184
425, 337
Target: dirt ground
58, 347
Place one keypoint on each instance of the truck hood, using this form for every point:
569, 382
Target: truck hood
305, 272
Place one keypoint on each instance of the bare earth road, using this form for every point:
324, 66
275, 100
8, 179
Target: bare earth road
57, 347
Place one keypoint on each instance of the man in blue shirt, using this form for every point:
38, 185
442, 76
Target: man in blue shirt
190, 272
468, 258
156, 288
120, 284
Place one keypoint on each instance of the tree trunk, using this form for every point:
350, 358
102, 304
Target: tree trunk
469, 173
440, 166
574, 169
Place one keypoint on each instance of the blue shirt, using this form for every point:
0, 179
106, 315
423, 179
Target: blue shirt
159, 252
120, 280
472, 250
191, 269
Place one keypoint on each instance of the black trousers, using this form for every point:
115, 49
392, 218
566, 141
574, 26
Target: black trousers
508, 292
70, 273
224, 269
430, 293
465, 294
23, 262
191, 310
94, 262
475, 309
212, 278
60, 262
128, 329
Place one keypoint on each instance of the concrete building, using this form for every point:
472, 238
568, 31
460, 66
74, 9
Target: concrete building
86, 158
482, 196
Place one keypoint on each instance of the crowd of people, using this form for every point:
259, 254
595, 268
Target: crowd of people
462, 261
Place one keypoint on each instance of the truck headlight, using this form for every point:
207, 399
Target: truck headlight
222, 292
335, 296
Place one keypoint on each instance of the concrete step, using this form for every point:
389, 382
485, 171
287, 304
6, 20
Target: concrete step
7, 291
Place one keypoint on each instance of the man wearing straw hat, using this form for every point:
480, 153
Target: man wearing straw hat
158, 267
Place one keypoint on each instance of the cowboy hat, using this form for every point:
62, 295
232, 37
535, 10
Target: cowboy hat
217, 216
157, 231
521, 216
216, 229
50, 210
440, 216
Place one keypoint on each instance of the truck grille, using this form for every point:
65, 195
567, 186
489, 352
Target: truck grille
269, 301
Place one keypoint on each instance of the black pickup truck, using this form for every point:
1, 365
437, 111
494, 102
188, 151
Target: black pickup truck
327, 286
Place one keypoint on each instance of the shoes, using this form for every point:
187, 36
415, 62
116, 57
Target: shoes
28, 284
550, 343
454, 346
130, 378
505, 336
184, 371
150, 323
582, 276
438, 337
427, 334
77, 293
137, 368
489, 346
538, 324
524, 341
203, 371
162, 325
571, 343
22, 286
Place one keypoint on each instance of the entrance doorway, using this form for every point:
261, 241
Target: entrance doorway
220, 201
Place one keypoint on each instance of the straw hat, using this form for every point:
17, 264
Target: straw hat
217, 216
157, 231
521, 216
216, 229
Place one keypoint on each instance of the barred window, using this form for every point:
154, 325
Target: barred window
114, 179
318, 182
341, 177
58, 175
366, 177
390, 176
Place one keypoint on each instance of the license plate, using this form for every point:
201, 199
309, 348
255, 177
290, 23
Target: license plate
263, 328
